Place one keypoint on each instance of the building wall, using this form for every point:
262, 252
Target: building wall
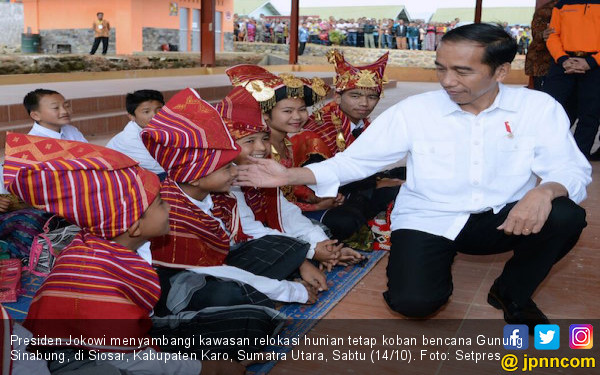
154, 37
80, 40
128, 17
11, 24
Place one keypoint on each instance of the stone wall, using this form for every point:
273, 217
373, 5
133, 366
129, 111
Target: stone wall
228, 42
153, 38
81, 40
11, 24
25, 64
315, 54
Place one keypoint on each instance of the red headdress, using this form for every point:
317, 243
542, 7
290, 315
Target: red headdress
350, 77
94, 187
188, 138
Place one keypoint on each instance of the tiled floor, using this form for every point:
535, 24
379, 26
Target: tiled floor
571, 291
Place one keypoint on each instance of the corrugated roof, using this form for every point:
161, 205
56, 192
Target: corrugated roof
245, 7
512, 15
354, 12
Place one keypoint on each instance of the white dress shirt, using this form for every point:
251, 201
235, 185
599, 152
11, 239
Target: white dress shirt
67, 132
460, 163
129, 142
293, 223
360, 125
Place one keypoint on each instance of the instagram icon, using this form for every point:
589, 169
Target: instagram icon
581, 336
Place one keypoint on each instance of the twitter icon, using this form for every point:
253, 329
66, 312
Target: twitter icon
547, 336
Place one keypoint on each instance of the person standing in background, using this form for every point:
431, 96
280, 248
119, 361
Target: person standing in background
400, 34
101, 29
302, 37
575, 73
368, 29
538, 59
412, 34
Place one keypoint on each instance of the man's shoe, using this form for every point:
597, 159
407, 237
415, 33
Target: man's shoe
514, 313
594, 156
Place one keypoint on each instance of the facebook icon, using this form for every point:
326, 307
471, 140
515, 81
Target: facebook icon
516, 337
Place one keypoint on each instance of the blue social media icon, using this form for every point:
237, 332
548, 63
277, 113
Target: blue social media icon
516, 337
547, 337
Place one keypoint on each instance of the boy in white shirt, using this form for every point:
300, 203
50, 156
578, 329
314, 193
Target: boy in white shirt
52, 115
141, 106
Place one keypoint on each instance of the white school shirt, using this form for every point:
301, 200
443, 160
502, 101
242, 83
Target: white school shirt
129, 142
67, 132
460, 163
293, 223
360, 125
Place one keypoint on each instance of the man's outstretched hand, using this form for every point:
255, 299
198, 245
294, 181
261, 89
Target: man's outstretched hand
262, 173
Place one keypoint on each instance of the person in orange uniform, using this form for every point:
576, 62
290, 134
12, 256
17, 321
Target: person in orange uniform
101, 29
574, 46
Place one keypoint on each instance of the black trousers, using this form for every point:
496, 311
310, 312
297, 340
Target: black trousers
357, 210
419, 269
276, 257
301, 46
104, 40
584, 88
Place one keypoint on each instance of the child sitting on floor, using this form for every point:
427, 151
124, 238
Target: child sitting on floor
274, 214
51, 114
189, 139
141, 106
102, 286
19, 224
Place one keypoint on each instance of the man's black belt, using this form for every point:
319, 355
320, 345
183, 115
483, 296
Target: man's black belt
580, 53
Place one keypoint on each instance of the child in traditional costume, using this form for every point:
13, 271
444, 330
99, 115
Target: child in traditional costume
332, 128
268, 209
189, 139
283, 101
102, 289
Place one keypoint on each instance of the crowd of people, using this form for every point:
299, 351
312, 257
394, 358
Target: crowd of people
363, 32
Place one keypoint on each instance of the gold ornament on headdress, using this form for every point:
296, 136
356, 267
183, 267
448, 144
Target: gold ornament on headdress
318, 87
291, 81
333, 56
366, 79
262, 94
294, 87
341, 82
235, 81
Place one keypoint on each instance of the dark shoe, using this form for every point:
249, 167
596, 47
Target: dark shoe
594, 156
527, 313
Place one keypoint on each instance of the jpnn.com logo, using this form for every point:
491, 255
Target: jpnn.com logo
516, 337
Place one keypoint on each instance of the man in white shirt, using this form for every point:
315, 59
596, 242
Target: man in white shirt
473, 161
141, 106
